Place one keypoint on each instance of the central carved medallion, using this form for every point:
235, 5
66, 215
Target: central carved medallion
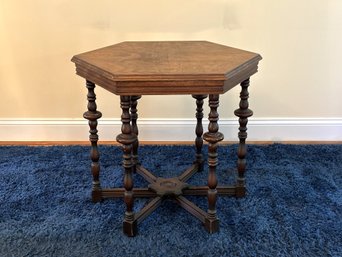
168, 186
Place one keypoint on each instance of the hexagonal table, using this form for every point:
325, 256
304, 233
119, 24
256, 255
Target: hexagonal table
197, 68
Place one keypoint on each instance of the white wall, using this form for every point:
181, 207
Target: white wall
299, 79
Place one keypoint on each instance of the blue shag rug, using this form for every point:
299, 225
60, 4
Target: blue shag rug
293, 206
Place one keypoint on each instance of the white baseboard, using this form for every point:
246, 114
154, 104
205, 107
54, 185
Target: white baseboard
259, 129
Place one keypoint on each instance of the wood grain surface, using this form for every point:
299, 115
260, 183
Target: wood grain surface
167, 67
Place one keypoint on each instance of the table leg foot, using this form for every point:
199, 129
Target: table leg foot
212, 225
96, 196
240, 191
130, 228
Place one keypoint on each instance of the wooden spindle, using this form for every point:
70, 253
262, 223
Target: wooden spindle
199, 130
243, 113
135, 131
127, 138
212, 137
92, 115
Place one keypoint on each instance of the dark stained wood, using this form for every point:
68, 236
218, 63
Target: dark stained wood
212, 137
199, 130
168, 186
167, 67
120, 192
243, 113
148, 209
147, 175
147, 193
127, 138
197, 68
192, 208
92, 115
135, 130
203, 190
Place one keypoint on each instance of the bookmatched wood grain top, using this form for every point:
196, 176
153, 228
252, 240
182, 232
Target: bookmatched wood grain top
166, 67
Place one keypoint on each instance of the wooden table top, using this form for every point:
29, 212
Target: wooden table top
166, 67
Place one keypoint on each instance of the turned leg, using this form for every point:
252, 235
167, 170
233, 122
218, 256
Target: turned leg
92, 115
199, 130
212, 137
127, 138
243, 113
135, 131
